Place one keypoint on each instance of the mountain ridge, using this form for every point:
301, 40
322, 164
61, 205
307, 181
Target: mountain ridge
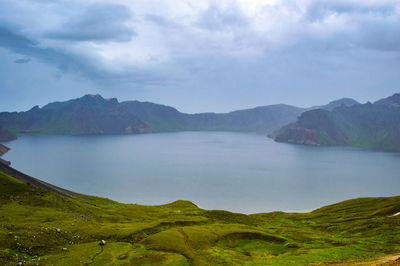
370, 125
93, 114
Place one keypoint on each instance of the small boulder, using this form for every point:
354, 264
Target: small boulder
64, 249
102, 243
123, 257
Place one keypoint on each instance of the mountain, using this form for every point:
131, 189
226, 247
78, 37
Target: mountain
48, 225
370, 125
160, 118
263, 119
92, 114
163, 118
393, 101
337, 103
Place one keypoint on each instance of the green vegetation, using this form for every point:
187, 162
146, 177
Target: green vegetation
375, 126
41, 227
92, 114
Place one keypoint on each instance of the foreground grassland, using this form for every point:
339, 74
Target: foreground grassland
39, 227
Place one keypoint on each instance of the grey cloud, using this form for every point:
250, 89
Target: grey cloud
22, 60
161, 21
217, 18
319, 10
22, 45
328, 49
82, 65
369, 25
380, 35
99, 22
66, 62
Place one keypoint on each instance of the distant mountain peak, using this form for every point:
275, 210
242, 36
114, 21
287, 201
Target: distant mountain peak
35, 108
111, 99
393, 100
344, 100
337, 103
96, 96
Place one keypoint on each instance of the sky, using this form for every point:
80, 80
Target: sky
199, 56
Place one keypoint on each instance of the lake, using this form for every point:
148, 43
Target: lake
238, 172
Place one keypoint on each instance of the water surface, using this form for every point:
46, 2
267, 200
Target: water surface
216, 170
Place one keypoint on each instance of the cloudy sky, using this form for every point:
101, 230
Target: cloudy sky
199, 55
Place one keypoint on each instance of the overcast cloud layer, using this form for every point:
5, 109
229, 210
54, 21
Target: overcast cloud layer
199, 55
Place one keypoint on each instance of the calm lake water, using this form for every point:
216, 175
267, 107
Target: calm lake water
216, 170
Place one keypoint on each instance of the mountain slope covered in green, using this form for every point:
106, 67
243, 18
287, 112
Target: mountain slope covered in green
45, 225
371, 125
92, 114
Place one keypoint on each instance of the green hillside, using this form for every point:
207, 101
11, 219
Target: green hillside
371, 125
38, 226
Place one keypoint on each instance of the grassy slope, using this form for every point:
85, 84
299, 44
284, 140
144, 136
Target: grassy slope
36, 225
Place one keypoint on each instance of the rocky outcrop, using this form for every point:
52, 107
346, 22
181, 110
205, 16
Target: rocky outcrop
3, 149
298, 136
6, 135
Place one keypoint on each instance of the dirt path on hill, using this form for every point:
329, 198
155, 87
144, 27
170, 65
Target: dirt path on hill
382, 261
389, 260
196, 259
187, 242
